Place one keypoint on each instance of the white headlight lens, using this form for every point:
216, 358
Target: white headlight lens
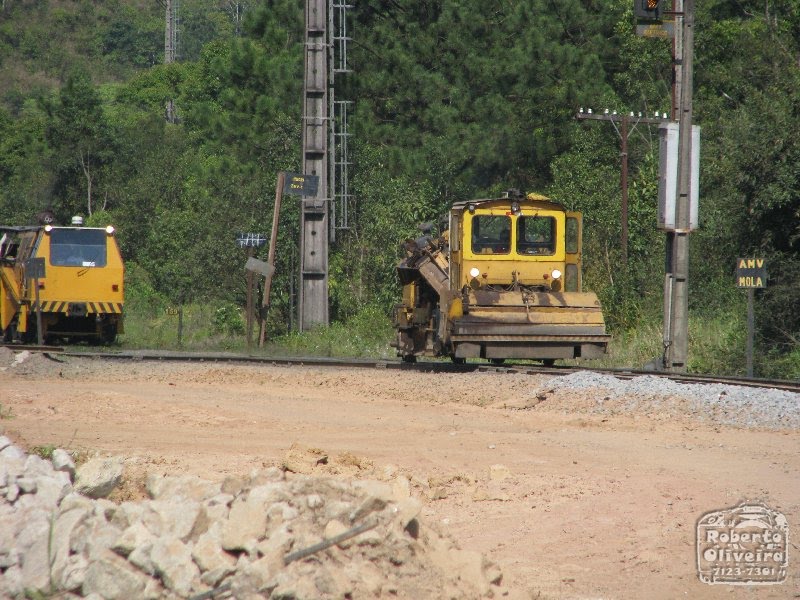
48, 228
110, 229
556, 274
474, 272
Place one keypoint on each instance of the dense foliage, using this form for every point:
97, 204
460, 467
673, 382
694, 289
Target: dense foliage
451, 100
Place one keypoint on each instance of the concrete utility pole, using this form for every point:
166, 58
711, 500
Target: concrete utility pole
624, 133
676, 286
313, 293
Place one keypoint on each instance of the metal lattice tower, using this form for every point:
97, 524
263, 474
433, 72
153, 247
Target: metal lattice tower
171, 49
339, 109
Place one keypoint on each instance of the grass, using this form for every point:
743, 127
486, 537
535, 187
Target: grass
45, 451
6, 412
221, 328
716, 344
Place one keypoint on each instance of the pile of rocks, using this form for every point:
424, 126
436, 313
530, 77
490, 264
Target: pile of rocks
273, 534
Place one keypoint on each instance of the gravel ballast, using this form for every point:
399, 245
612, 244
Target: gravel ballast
650, 395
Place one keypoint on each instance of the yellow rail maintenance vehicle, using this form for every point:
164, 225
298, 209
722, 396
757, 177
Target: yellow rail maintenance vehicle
68, 279
502, 282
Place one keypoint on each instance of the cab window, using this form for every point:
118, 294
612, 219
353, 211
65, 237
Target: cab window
536, 235
573, 235
78, 248
491, 234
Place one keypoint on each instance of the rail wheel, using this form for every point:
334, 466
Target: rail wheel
109, 333
409, 358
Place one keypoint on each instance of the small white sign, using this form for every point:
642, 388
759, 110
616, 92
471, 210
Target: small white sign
258, 266
744, 545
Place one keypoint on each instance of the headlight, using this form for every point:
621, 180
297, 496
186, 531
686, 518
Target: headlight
556, 273
110, 229
48, 228
474, 272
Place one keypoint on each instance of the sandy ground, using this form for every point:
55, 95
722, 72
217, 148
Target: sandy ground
569, 504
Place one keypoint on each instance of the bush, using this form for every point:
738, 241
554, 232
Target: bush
227, 319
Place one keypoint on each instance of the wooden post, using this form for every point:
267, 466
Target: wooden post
249, 319
180, 323
751, 326
271, 258
624, 186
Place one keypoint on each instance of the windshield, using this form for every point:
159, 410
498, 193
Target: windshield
491, 234
78, 248
536, 235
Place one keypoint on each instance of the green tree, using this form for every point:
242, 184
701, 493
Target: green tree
81, 145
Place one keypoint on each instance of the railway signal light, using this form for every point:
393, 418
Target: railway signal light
647, 10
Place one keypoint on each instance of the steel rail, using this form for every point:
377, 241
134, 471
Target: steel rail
426, 366
33, 348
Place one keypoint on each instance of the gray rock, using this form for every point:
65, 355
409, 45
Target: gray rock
114, 579
4, 442
94, 538
8, 556
134, 536
281, 512
75, 500
218, 507
73, 575
188, 487
253, 577
12, 452
62, 461
36, 564
246, 524
11, 583
36, 465
98, 477
12, 493
105, 508
173, 562
26, 485
279, 540
33, 525
50, 490
59, 551
140, 557
127, 514
171, 519
208, 554
269, 493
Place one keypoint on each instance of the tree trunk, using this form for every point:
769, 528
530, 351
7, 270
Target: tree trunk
85, 164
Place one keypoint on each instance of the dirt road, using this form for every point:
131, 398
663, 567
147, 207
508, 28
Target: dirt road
569, 504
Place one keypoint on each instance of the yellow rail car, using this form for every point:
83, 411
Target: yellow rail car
71, 279
504, 281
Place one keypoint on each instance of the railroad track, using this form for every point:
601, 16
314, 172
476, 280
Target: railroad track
426, 366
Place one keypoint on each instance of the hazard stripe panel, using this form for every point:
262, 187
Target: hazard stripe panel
103, 308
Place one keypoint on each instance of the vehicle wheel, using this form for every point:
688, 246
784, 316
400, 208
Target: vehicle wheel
109, 334
549, 362
409, 358
497, 361
457, 360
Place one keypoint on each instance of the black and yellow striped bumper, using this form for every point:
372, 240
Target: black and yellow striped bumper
97, 308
